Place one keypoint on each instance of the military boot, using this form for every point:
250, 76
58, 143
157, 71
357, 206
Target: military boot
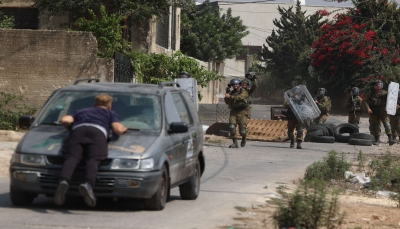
377, 141
391, 140
299, 144
235, 144
243, 142
292, 143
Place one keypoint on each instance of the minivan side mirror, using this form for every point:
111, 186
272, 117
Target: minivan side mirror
25, 121
178, 127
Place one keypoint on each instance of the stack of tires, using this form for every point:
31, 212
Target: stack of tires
344, 133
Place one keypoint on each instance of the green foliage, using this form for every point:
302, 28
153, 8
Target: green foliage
108, 31
387, 175
332, 167
286, 55
5, 21
137, 9
207, 35
9, 116
310, 206
155, 68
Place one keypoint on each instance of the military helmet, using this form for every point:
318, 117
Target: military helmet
250, 75
321, 92
184, 75
296, 91
246, 81
355, 91
378, 85
234, 81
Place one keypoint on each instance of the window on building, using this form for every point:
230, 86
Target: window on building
24, 18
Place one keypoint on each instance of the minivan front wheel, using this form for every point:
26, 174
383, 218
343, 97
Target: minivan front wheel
21, 198
191, 188
159, 199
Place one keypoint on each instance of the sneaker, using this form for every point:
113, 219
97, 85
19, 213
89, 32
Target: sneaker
87, 192
59, 197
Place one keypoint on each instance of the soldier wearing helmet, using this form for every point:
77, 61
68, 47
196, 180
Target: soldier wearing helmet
354, 104
375, 104
237, 99
324, 104
250, 84
298, 97
395, 121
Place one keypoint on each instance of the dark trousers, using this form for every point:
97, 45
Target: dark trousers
87, 142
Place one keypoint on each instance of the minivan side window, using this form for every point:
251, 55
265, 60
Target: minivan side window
183, 111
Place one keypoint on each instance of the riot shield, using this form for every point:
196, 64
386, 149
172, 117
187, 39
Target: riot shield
302, 104
392, 95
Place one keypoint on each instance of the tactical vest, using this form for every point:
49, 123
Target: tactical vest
377, 99
236, 104
327, 108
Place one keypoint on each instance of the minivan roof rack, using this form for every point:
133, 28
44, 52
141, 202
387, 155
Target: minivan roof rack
89, 80
162, 84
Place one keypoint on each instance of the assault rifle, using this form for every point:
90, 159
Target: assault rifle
228, 89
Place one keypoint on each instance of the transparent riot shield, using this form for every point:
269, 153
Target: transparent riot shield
302, 104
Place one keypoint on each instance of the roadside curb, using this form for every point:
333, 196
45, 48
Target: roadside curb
10, 136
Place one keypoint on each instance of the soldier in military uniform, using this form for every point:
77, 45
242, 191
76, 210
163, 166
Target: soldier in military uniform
292, 120
354, 104
324, 104
375, 104
395, 121
245, 83
237, 99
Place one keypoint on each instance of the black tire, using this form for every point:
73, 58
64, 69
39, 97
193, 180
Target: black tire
309, 136
318, 127
345, 128
342, 138
159, 199
190, 189
21, 198
360, 142
323, 139
363, 136
331, 128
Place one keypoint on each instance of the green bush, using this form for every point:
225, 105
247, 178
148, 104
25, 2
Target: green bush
386, 175
332, 167
310, 206
9, 115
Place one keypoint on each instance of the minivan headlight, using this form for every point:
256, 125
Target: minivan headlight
120, 163
28, 159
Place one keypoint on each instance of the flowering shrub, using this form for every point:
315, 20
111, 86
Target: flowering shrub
356, 48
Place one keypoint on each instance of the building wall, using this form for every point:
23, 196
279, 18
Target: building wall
34, 63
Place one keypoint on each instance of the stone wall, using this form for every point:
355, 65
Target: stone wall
33, 63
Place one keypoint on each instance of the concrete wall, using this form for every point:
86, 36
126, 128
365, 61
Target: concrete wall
34, 63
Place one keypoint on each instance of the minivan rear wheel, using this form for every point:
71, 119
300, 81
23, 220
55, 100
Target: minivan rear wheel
159, 199
21, 198
191, 188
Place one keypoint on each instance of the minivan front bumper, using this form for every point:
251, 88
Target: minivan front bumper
121, 184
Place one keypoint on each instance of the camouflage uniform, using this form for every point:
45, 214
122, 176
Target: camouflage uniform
395, 122
293, 123
324, 105
354, 104
238, 115
377, 103
250, 91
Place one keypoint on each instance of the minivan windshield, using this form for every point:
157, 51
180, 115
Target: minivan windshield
135, 111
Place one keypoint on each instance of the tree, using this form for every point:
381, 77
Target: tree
286, 55
137, 9
360, 46
107, 30
5, 21
206, 35
155, 68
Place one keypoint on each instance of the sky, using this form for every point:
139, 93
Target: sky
308, 2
